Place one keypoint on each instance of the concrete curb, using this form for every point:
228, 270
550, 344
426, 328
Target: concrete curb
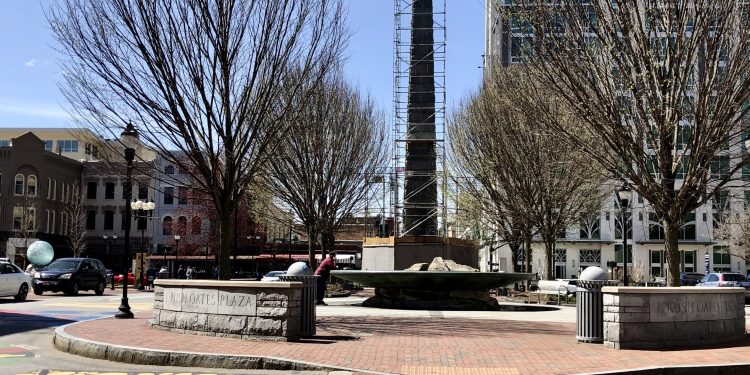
158, 357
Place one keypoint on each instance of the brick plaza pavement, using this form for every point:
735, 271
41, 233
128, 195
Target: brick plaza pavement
422, 345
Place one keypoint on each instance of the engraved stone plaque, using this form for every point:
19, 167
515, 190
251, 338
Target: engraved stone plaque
236, 303
172, 299
692, 307
200, 300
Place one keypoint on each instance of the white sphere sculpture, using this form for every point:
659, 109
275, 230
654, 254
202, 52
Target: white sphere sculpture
40, 253
299, 269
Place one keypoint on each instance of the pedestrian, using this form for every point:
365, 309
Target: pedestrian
150, 276
216, 272
181, 272
323, 271
189, 273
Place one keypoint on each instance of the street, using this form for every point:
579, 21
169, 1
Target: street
27, 328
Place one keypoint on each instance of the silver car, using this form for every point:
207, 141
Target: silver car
273, 276
13, 281
725, 279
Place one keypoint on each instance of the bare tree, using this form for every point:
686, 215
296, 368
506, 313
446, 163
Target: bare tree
201, 77
322, 172
76, 212
732, 227
532, 180
25, 224
662, 84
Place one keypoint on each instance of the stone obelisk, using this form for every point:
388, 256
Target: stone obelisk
420, 184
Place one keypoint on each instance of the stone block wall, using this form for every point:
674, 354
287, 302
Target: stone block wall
239, 309
653, 318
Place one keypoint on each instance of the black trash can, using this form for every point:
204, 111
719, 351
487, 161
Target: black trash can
163, 275
307, 308
590, 309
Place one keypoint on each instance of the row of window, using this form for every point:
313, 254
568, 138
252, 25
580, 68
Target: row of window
109, 192
25, 185
168, 227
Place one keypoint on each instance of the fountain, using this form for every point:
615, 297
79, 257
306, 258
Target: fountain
440, 285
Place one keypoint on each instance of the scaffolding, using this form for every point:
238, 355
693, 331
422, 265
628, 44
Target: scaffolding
404, 135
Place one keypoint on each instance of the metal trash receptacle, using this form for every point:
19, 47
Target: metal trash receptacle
163, 275
590, 310
307, 308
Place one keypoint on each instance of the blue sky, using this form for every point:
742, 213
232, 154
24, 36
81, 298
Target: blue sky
29, 72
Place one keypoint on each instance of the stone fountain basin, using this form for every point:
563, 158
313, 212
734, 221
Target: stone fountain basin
433, 280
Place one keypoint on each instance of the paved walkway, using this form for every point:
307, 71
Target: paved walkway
422, 342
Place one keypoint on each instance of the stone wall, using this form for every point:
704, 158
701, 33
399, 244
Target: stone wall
239, 309
652, 318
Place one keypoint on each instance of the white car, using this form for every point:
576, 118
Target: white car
13, 281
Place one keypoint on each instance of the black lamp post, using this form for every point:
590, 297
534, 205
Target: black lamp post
107, 240
624, 195
291, 222
124, 308
143, 211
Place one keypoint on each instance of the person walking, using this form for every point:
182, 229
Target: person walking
189, 273
150, 276
324, 271
181, 274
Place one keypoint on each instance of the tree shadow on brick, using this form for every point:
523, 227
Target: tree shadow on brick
437, 327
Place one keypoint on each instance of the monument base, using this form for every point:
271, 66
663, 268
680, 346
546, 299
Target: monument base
400, 253
394, 298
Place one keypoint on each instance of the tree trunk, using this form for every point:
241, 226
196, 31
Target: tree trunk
548, 252
527, 253
671, 234
311, 247
515, 247
224, 249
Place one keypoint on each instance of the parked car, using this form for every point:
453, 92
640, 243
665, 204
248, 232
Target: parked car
71, 275
690, 278
13, 281
131, 279
273, 276
725, 279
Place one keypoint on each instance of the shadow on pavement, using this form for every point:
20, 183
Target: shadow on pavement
11, 323
434, 327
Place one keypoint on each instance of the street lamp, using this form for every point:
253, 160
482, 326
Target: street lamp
624, 196
143, 211
177, 244
124, 308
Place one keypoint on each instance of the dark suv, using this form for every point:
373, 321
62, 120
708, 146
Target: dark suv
70, 275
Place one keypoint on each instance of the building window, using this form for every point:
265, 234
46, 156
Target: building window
166, 224
49, 188
181, 225
142, 191
109, 190
109, 220
655, 230
48, 145
48, 221
169, 169
720, 167
91, 150
196, 224
618, 225
91, 220
590, 229
5, 143
53, 222
619, 254
54, 189
168, 195
91, 190
18, 190
561, 259
590, 257
31, 186
17, 218
722, 259
657, 263
687, 261
687, 231
182, 195
67, 145
63, 223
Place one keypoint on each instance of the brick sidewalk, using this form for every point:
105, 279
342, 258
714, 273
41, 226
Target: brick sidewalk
422, 346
